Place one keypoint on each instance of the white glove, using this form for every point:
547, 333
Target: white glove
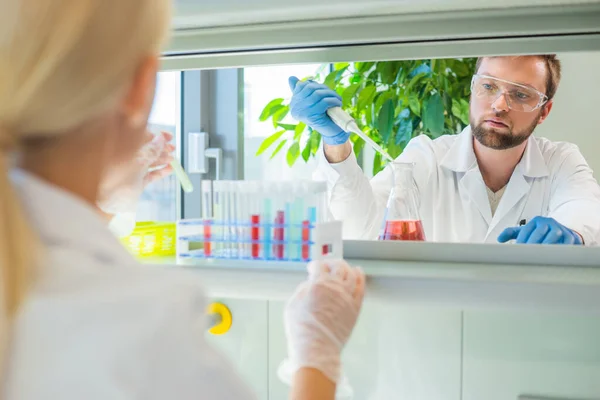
320, 316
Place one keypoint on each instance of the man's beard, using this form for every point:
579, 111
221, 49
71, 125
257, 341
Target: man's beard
493, 139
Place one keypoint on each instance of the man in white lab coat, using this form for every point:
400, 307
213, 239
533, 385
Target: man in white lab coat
493, 182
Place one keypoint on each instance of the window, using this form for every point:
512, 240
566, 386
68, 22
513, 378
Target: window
261, 85
159, 200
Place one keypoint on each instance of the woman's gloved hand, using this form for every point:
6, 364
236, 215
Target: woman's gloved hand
541, 230
310, 102
320, 316
124, 183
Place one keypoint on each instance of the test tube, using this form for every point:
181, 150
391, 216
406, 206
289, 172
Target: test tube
241, 216
266, 198
229, 242
253, 202
207, 216
246, 217
218, 218
295, 237
288, 195
321, 206
279, 213
238, 223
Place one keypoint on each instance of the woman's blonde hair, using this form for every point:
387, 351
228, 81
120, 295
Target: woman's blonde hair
62, 62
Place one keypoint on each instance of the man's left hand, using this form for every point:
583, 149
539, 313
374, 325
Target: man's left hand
541, 230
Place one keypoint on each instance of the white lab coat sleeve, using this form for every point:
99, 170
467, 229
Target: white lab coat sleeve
124, 335
359, 203
575, 199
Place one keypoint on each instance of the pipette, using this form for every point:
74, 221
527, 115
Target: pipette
342, 119
184, 179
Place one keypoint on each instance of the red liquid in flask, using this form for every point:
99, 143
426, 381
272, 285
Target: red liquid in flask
403, 230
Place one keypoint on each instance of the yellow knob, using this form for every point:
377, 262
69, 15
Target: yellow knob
222, 315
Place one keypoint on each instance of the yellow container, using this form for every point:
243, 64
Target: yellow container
152, 239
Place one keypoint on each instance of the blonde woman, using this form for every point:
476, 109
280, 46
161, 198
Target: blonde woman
80, 319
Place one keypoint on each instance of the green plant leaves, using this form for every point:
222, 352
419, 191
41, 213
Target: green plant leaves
268, 142
415, 79
315, 142
388, 71
382, 98
278, 149
414, 103
366, 97
433, 115
312, 145
287, 127
460, 108
298, 130
280, 114
293, 153
385, 121
349, 94
271, 108
358, 146
334, 77
377, 164
363, 67
405, 128
341, 65
306, 152
427, 97
423, 69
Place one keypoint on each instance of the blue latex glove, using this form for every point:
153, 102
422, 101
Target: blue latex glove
541, 230
310, 102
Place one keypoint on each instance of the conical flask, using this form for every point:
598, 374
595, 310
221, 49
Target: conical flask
401, 219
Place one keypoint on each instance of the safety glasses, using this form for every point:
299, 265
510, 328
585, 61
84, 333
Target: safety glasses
518, 97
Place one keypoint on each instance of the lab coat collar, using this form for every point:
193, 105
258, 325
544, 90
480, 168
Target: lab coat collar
461, 156
533, 164
61, 219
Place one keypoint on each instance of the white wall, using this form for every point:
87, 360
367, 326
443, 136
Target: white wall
575, 116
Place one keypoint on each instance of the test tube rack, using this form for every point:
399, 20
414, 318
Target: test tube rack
320, 241
266, 221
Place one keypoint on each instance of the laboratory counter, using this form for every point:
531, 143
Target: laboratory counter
456, 276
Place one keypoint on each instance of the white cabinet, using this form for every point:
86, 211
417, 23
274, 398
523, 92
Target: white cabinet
246, 343
440, 321
394, 353
537, 354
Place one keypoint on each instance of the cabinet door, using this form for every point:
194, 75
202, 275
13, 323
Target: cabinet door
507, 355
246, 343
394, 353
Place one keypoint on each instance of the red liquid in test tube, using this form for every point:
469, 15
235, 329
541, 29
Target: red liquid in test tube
255, 235
305, 239
207, 234
278, 235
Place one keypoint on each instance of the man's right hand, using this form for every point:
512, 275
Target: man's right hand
310, 102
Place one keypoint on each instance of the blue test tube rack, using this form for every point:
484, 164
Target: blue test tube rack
269, 230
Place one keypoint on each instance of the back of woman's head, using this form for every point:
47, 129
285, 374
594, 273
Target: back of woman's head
62, 63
